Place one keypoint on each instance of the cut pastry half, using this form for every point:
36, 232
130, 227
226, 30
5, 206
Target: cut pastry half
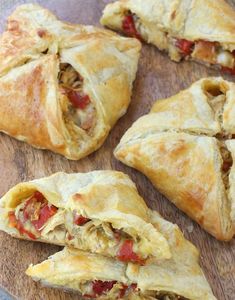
70, 83
95, 276
186, 147
99, 212
193, 29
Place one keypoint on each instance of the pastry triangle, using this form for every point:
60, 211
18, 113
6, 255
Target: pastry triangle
56, 80
201, 30
99, 212
177, 278
185, 146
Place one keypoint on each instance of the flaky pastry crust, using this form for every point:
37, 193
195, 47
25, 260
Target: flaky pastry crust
33, 103
191, 29
185, 146
106, 198
180, 275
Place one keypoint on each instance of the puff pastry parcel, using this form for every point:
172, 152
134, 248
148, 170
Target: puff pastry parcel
100, 212
202, 30
95, 276
186, 147
63, 86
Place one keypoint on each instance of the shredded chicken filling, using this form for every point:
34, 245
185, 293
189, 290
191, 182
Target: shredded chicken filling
77, 105
105, 290
216, 99
32, 215
227, 163
36, 218
100, 237
206, 51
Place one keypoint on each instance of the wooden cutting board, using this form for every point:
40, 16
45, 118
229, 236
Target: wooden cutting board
157, 78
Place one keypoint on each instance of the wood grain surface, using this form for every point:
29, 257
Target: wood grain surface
157, 78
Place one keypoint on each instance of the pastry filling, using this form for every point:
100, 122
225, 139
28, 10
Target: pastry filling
31, 216
227, 163
35, 218
116, 290
106, 289
206, 51
102, 238
77, 105
216, 98
130, 26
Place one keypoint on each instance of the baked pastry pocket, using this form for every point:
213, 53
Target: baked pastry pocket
186, 30
95, 276
184, 146
62, 82
99, 212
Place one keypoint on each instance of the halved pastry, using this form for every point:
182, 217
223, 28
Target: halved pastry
99, 212
193, 29
185, 146
70, 83
95, 276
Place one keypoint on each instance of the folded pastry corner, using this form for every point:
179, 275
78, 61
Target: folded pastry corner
61, 77
185, 146
90, 274
100, 212
179, 277
185, 29
94, 276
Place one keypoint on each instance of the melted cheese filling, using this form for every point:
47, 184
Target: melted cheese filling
94, 235
227, 163
216, 99
101, 237
121, 291
212, 53
85, 117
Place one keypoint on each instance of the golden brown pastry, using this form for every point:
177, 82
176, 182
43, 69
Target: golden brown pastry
185, 146
63, 86
100, 212
202, 30
177, 278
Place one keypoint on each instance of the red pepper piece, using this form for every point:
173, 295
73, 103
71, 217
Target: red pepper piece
12, 219
134, 286
45, 213
226, 166
22, 230
129, 28
185, 46
80, 220
39, 196
100, 287
70, 237
127, 254
228, 70
78, 99
19, 226
117, 235
123, 290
